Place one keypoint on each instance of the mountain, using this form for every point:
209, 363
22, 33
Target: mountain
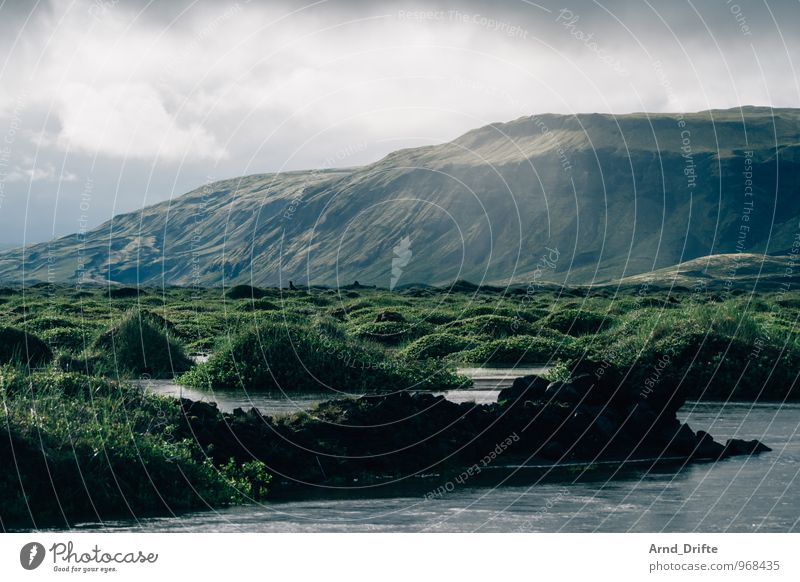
572, 199
720, 272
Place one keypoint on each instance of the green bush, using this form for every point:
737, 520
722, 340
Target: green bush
436, 345
23, 348
258, 305
294, 358
45, 322
125, 292
68, 339
245, 292
519, 350
140, 345
390, 332
96, 449
496, 326
577, 322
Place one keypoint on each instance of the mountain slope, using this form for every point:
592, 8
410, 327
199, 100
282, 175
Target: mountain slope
573, 199
739, 270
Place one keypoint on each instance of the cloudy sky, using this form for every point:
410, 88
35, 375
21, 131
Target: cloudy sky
109, 105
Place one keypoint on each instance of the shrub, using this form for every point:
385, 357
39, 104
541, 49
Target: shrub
390, 332
43, 323
245, 292
577, 321
294, 358
125, 292
258, 305
140, 345
97, 449
519, 350
64, 338
496, 326
436, 345
23, 348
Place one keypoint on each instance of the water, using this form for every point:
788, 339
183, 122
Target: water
486, 386
756, 494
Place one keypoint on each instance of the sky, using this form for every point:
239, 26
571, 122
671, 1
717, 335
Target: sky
110, 105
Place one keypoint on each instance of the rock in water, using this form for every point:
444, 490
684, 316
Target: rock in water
741, 447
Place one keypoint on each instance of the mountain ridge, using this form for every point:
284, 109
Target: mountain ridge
615, 196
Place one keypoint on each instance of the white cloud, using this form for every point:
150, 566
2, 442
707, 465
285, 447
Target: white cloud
42, 173
129, 120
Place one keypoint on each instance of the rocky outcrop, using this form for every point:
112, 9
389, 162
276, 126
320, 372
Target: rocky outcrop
399, 435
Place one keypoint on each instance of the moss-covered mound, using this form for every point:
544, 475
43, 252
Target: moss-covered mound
245, 292
17, 346
100, 450
140, 344
125, 292
577, 321
437, 345
521, 350
288, 357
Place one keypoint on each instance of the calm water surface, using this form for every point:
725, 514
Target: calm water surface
740, 494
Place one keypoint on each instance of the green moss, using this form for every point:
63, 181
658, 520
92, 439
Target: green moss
68, 339
390, 332
495, 326
140, 345
520, 350
245, 292
97, 449
23, 348
437, 345
577, 322
293, 358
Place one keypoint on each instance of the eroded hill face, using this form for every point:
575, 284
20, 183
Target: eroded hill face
575, 199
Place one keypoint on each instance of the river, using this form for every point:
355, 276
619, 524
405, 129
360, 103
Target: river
740, 494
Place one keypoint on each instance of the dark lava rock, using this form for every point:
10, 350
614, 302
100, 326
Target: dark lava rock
707, 447
524, 388
403, 434
741, 447
562, 392
203, 410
